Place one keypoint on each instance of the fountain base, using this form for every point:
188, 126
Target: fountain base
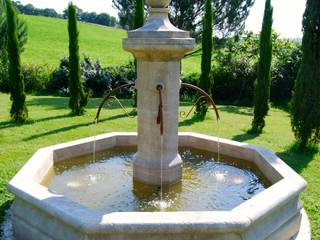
151, 174
275, 213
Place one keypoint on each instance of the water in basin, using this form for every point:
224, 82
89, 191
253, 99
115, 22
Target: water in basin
106, 184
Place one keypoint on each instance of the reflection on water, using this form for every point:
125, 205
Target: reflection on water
106, 184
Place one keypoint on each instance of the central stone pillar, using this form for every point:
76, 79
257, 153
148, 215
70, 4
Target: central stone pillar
158, 48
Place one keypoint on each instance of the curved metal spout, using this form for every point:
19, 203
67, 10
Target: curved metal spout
206, 95
107, 97
160, 119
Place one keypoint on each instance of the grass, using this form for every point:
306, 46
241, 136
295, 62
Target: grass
48, 42
51, 124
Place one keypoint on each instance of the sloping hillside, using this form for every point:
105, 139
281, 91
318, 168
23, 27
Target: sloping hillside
48, 42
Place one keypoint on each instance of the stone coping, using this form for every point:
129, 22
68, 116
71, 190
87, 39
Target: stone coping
283, 194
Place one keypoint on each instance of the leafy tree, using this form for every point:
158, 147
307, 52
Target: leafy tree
139, 14
262, 86
79, 98
125, 12
207, 47
305, 117
230, 15
19, 111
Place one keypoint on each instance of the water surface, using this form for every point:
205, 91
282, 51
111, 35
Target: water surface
107, 186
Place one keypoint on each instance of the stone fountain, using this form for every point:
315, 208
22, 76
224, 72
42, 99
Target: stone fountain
158, 47
40, 213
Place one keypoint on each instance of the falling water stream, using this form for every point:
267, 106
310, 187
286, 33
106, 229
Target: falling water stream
95, 124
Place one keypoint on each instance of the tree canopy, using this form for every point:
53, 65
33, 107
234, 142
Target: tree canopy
230, 15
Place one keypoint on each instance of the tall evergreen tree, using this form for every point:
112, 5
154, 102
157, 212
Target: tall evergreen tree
262, 85
207, 47
19, 111
78, 99
305, 117
138, 14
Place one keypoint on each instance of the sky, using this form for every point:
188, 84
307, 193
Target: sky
287, 13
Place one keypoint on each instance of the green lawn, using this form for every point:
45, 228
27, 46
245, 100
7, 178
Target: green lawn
48, 42
50, 124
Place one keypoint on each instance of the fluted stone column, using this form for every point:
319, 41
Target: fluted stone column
158, 47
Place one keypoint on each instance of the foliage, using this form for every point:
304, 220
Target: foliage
207, 48
91, 17
21, 30
97, 80
286, 62
22, 38
138, 14
19, 111
78, 98
230, 14
262, 86
58, 82
234, 73
306, 100
125, 12
36, 78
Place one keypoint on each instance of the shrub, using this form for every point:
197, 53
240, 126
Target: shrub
284, 72
36, 78
96, 79
234, 75
58, 82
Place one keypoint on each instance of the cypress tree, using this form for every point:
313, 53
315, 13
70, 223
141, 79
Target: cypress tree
138, 22
138, 14
207, 47
78, 99
19, 111
305, 116
262, 85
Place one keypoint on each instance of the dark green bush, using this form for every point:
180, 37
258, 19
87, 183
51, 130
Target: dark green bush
59, 83
284, 71
97, 80
36, 78
188, 94
234, 76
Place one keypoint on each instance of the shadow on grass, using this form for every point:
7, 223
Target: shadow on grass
62, 103
189, 121
10, 124
68, 128
245, 137
3, 208
298, 160
54, 102
236, 110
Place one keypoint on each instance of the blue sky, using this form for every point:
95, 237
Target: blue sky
287, 13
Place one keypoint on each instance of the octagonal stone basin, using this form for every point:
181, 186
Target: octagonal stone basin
275, 213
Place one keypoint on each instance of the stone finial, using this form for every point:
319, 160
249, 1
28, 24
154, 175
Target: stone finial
158, 3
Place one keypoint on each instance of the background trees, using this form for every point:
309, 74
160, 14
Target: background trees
19, 111
306, 101
262, 86
230, 15
78, 98
138, 14
91, 17
207, 47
